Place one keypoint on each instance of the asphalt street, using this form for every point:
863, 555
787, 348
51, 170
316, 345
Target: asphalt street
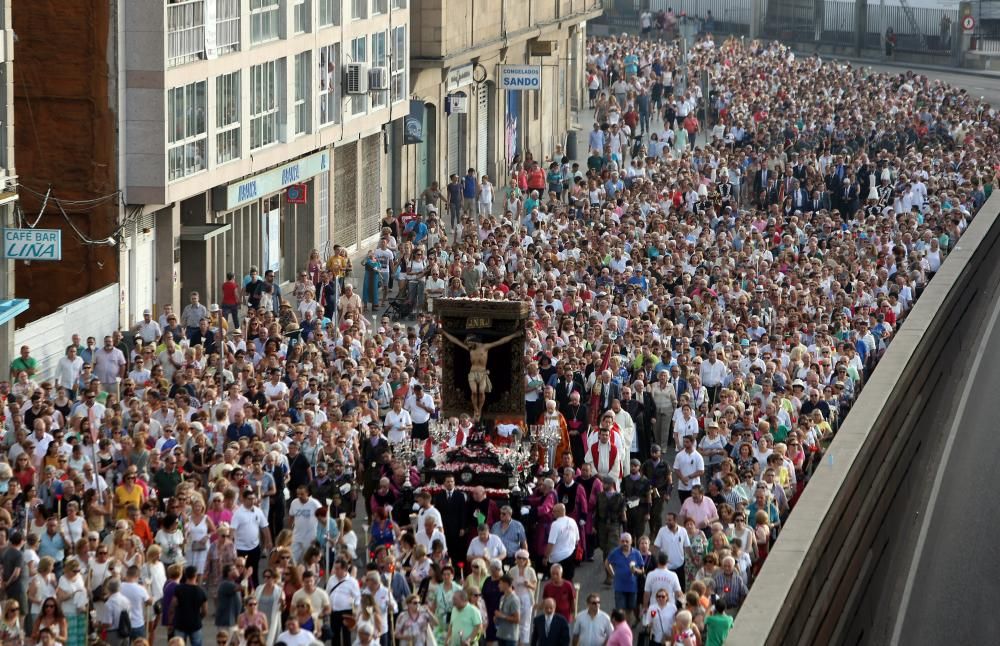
950, 594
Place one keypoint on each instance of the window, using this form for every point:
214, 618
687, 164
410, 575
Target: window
400, 55
359, 54
329, 12
380, 6
227, 118
264, 20
302, 74
187, 130
227, 26
380, 58
185, 32
399, 4
328, 94
359, 9
300, 10
265, 105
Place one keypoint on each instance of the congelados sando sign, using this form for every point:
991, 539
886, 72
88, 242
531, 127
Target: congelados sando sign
521, 77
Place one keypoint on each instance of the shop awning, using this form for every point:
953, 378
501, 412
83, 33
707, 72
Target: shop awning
11, 308
203, 232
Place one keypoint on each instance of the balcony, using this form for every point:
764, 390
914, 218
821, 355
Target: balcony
189, 39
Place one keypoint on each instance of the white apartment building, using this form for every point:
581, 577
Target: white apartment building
228, 104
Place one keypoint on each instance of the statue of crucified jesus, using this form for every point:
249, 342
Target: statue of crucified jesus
479, 375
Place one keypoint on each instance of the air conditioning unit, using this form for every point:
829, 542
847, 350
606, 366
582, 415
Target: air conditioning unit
378, 78
357, 78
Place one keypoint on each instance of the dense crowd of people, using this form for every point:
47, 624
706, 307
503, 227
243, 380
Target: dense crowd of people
709, 290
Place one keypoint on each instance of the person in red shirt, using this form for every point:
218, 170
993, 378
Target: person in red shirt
561, 591
536, 179
231, 299
140, 526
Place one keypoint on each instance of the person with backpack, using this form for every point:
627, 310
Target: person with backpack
115, 620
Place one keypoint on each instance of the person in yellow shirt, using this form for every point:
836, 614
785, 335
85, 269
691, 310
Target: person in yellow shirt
216, 322
128, 493
339, 266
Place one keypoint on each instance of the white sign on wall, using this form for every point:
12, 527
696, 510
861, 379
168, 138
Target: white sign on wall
32, 244
520, 77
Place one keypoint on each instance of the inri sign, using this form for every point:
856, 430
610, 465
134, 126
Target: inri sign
521, 77
32, 244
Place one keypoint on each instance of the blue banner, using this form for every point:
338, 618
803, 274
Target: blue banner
512, 125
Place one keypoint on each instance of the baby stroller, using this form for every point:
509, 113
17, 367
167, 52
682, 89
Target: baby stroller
399, 307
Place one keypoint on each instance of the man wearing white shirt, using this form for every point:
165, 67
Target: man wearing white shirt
171, 358
41, 440
109, 366
564, 534
429, 534
249, 525
139, 375
420, 405
713, 374
275, 389
383, 599
92, 480
662, 578
673, 542
427, 510
147, 329
138, 598
592, 626
689, 466
302, 513
68, 371
295, 635
398, 422
487, 545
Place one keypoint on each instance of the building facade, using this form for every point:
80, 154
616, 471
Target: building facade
458, 52
249, 137
9, 305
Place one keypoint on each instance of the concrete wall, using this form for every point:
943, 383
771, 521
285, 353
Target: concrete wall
94, 315
834, 574
66, 140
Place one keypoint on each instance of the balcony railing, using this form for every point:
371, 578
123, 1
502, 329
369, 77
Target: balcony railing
185, 32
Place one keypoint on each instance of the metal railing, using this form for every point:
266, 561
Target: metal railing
832, 23
986, 39
185, 32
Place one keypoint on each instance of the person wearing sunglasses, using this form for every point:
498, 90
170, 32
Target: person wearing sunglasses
592, 626
252, 617
11, 631
51, 619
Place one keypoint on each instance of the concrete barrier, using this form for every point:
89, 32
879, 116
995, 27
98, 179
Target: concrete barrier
831, 577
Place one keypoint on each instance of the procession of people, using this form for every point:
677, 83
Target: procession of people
710, 287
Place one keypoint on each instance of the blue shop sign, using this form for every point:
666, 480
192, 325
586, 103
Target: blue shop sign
225, 198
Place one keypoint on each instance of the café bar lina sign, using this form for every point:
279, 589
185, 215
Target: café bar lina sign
32, 244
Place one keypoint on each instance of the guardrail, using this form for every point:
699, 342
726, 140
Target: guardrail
817, 584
